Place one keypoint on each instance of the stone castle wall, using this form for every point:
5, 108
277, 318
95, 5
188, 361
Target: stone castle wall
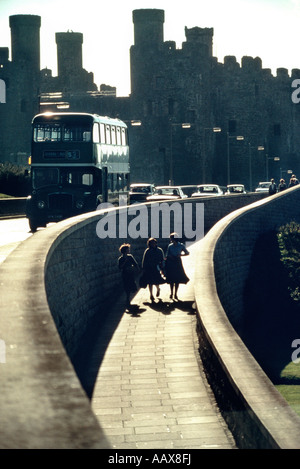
169, 86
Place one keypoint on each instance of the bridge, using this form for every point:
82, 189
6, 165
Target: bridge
62, 351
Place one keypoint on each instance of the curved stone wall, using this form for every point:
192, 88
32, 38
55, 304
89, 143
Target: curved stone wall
51, 287
255, 411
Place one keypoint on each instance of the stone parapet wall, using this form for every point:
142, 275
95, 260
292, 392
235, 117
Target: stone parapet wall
255, 411
51, 287
235, 246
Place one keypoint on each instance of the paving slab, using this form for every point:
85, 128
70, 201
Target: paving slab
150, 390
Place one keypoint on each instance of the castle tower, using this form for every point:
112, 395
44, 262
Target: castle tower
25, 39
69, 52
148, 27
200, 37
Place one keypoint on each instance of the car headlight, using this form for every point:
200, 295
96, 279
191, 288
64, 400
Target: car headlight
41, 204
79, 204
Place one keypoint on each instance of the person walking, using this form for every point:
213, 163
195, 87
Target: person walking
152, 265
281, 185
273, 187
175, 273
129, 266
293, 181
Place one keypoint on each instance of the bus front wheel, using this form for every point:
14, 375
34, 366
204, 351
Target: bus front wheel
33, 225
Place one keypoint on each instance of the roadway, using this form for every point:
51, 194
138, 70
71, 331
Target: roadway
12, 232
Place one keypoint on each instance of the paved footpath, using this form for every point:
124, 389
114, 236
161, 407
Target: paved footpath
151, 391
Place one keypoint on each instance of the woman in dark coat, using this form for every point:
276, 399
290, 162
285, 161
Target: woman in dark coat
128, 265
175, 273
152, 265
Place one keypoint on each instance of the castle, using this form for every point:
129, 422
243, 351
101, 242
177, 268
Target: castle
216, 102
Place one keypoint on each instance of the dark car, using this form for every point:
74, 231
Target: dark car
139, 192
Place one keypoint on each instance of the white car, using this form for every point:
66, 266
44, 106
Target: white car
139, 192
167, 193
235, 189
205, 190
263, 187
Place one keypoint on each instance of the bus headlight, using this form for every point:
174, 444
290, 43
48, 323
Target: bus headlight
79, 204
41, 204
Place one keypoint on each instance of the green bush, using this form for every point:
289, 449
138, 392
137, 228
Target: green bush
289, 244
14, 180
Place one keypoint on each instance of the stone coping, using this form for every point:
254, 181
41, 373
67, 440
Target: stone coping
259, 406
43, 405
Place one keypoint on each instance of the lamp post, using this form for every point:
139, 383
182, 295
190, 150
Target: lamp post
183, 125
214, 130
238, 137
288, 171
274, 158
259, 148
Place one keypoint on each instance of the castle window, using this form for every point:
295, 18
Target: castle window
149, 108
2, 92
191, 115
277, 130
24, 105
171, 107
159, 82
232, 126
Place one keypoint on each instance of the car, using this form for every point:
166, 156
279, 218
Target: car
263, 187
235, 189
139, 192
204, 190
189, 189
167, 193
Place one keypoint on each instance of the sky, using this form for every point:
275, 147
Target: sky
268, 29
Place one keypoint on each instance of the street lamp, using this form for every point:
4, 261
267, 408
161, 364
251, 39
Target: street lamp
183, 125
214, 130
239, 137
274, 158
288, 171
259, 148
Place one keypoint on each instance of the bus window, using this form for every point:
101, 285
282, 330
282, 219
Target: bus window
113, 135
102, 133
47, 132
44, 177
86, 136
76, 134
96, 134
118, 136
87, 179
77, 178
108, 138
124, 140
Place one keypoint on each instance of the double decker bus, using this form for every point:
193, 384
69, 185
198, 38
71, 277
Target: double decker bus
78, 160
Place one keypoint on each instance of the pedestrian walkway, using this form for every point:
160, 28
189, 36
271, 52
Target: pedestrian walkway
151, 391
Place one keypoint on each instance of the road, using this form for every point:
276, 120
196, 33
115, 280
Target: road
12, 232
